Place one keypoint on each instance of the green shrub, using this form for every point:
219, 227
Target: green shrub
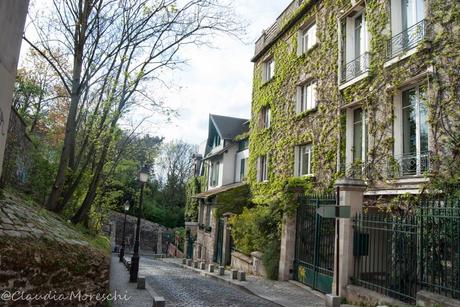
258, 229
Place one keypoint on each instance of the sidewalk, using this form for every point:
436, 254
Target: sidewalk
282, 293
119, 278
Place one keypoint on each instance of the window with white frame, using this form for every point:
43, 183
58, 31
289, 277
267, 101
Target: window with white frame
407, 25
307, 38
214, 174
269, 69
354, 47
306, 97
415, 123
265, 117
303, 160
262, 168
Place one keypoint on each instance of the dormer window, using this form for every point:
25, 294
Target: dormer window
216, 141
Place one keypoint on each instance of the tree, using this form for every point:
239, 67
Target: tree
117, 49
175, 167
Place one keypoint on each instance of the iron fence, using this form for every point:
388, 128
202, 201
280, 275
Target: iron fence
399, 254
406, 40
356, 67
440, 246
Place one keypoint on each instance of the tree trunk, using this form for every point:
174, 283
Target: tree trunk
70, 131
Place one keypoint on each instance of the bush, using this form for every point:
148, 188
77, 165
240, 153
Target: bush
258, 229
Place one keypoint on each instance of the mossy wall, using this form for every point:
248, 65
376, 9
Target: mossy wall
320, 126
437, 61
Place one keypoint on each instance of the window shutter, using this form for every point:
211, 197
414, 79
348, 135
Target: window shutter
313, 95
299, 43
312, 36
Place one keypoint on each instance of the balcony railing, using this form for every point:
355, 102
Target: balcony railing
355, 67
409, 165
406, 40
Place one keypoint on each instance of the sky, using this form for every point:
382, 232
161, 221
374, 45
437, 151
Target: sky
216, 80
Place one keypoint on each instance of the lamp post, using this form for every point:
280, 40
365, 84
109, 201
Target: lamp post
122, 249
134, 270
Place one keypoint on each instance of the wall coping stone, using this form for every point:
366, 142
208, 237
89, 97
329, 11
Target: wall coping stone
427, 299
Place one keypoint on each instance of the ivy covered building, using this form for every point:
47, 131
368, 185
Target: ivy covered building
356, 89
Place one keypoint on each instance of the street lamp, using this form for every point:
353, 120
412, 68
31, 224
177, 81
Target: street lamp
134, 270
122, 249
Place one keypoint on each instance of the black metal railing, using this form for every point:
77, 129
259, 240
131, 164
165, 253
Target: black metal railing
406, 40
355, 68
439, 257
400, 253
385, 250
408, 165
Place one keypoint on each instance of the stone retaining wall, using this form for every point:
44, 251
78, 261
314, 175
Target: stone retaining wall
249, 264
41, 253
149, 236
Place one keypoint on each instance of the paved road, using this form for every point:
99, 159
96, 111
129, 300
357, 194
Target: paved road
186, 288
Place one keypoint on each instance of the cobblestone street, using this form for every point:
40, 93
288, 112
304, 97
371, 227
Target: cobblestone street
182, 287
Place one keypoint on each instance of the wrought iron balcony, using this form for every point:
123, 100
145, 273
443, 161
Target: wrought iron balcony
409, 165
355, 67
406, 40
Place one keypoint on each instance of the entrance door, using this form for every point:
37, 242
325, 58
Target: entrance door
314, 253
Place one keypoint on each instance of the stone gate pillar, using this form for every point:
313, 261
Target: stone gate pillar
226, 248
287, 249
351, 194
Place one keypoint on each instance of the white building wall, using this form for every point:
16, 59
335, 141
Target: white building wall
12, 18
228, 173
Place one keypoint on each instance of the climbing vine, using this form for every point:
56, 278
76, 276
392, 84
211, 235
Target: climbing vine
436, 63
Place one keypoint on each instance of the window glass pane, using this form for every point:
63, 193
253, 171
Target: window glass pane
313, 95
357, 135
272, 68
358, 36
423, 120
409, 123
305, 41
242, 168
420, 10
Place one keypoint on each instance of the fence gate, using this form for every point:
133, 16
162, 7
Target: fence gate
314, 251
219, 241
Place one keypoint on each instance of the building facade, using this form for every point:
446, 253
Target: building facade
364, 90
225, 167
12, 18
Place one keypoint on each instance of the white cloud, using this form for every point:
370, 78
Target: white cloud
216, 80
